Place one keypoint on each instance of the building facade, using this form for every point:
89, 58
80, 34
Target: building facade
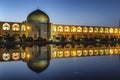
38, 24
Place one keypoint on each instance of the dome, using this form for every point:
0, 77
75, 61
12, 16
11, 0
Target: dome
38, 16
38, 66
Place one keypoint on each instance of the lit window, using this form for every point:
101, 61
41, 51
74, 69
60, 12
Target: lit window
60, 53
90, 29
79, 52
101, 52
23, 28
101, 30
111, 30
15, 27
66, 29
60, 29
79, 29
96, 30
91, 52
106, 30
73, 29
6, 56
116, 51
54, 54
67, 53
15, 56
115, 30
85, 52
111, 51
85, 29
73, 53
106, 51
96, 52
6, 26
54, 28
23, 54
119, 30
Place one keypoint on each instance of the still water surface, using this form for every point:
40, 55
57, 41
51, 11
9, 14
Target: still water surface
66, 62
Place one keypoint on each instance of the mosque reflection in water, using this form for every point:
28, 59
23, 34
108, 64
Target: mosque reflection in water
38, 58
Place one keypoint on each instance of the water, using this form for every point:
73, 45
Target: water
66, 62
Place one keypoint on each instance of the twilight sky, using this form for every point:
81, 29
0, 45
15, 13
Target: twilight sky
76, 12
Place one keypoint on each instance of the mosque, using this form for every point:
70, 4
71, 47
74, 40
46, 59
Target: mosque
38, 24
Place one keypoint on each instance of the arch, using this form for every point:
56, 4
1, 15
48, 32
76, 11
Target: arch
85, 29
101, 30
60, 53
73, 53
79, 52
54, 28
15, 56
111, 30
60, 29
79, 29
115, 30
6, 56
23, 28
15, 27
106, 30
66, 53
90, 29
119, 30
73, 29
6, 26
66, 29
96, 30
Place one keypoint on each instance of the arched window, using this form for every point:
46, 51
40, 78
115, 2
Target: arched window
79, 29
73, 29
85, 29
66, 29
15, 27
96, 29
6, 26
60, 29
54, 28
101, 30
115, 30
106, 30
119, 30
6, 56
90, 29
23, 28
111, 30
15, 56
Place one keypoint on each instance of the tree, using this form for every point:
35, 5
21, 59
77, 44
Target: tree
73, 38
23, 37
62, 38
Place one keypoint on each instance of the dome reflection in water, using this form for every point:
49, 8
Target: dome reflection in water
38, 57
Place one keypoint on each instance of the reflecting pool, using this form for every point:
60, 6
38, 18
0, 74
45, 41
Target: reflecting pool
60, 62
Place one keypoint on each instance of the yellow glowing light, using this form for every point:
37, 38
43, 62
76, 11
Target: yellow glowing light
73, 53
28, 27
28, 55
111, 51
111, 30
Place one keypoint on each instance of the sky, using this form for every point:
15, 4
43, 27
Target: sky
72, 12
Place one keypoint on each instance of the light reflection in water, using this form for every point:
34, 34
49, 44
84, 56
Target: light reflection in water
38, 57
